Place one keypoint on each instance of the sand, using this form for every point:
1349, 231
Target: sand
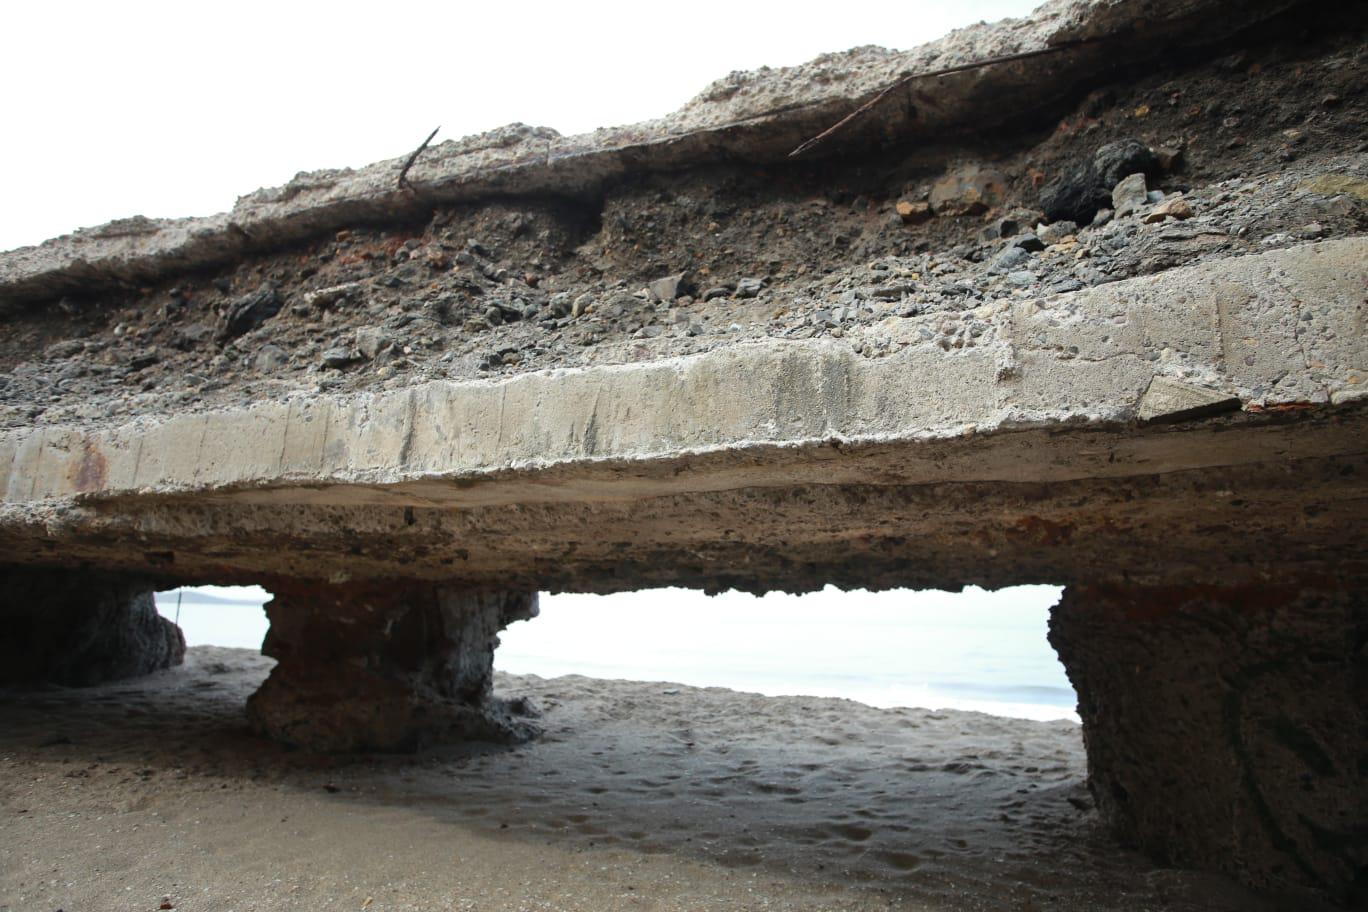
640, 796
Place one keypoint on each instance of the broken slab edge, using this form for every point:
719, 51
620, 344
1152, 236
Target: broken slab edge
1075, 368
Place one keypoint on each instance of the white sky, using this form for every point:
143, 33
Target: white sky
114, 109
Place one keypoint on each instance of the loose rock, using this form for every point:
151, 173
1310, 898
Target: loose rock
371, 341
339, 357
968, 190
1129, 195
271, 358
1079, 194
1055, 232
668, 288
749, 288
913, 213
1173, 207
250, 311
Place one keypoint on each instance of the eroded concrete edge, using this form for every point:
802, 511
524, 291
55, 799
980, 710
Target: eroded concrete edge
1277, 330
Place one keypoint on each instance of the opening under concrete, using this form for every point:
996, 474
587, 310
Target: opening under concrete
977, 650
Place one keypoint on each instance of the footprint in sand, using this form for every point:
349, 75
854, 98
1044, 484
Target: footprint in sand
851, 831
903, 861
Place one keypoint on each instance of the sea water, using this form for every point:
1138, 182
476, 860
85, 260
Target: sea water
972, 650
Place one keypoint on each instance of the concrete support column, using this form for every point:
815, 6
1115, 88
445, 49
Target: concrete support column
78, 628
385, 666
1227, 728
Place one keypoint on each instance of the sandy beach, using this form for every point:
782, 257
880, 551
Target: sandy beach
639, 796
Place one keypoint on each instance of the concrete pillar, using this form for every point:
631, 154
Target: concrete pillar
385, 666
1227, 728
78, 628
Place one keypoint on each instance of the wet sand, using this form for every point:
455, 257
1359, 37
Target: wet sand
639, 796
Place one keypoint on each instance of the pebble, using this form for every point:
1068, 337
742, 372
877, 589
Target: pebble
64, 349
891, 292
1066, 284
331, 295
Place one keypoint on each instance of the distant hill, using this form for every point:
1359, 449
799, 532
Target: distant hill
195, 597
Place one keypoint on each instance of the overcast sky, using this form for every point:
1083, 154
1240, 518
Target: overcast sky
168, 109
